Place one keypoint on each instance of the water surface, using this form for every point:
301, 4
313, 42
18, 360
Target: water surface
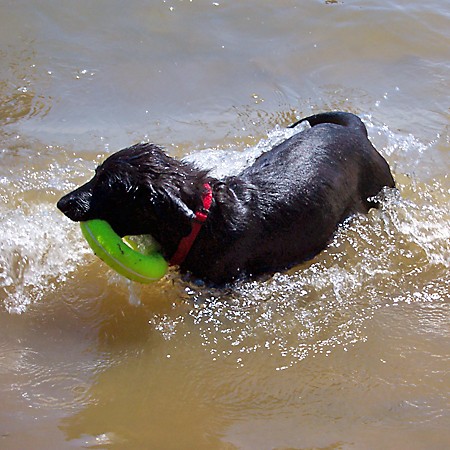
350, 350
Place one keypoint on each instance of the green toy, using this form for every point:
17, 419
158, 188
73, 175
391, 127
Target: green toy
111, 249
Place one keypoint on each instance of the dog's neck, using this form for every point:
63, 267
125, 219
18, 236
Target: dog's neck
177, 203
201, 215
227, 205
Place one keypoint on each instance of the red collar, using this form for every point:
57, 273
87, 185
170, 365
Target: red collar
200, 218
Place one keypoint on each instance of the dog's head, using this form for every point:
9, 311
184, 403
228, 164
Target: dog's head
138, 190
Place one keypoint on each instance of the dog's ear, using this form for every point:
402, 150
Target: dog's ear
170, 208
180, 208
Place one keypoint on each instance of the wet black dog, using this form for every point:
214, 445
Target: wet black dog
278, 212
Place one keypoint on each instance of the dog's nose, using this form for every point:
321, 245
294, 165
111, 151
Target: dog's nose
74, 207
67, 205
63, 204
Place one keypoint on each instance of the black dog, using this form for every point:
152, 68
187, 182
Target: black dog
278, 212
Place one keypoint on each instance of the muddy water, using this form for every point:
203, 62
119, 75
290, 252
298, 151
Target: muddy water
350, 350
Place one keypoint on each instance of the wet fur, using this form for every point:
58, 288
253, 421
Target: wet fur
276, 213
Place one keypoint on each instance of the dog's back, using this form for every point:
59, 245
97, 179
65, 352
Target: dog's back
335, 151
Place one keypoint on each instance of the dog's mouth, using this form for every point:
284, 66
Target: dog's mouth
77, 213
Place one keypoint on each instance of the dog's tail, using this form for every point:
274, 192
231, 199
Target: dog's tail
337, 117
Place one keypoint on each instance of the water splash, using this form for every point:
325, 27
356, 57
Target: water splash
39, 249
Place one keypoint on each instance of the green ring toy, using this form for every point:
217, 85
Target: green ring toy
112, 250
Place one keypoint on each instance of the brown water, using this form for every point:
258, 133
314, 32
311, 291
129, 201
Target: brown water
349, 351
